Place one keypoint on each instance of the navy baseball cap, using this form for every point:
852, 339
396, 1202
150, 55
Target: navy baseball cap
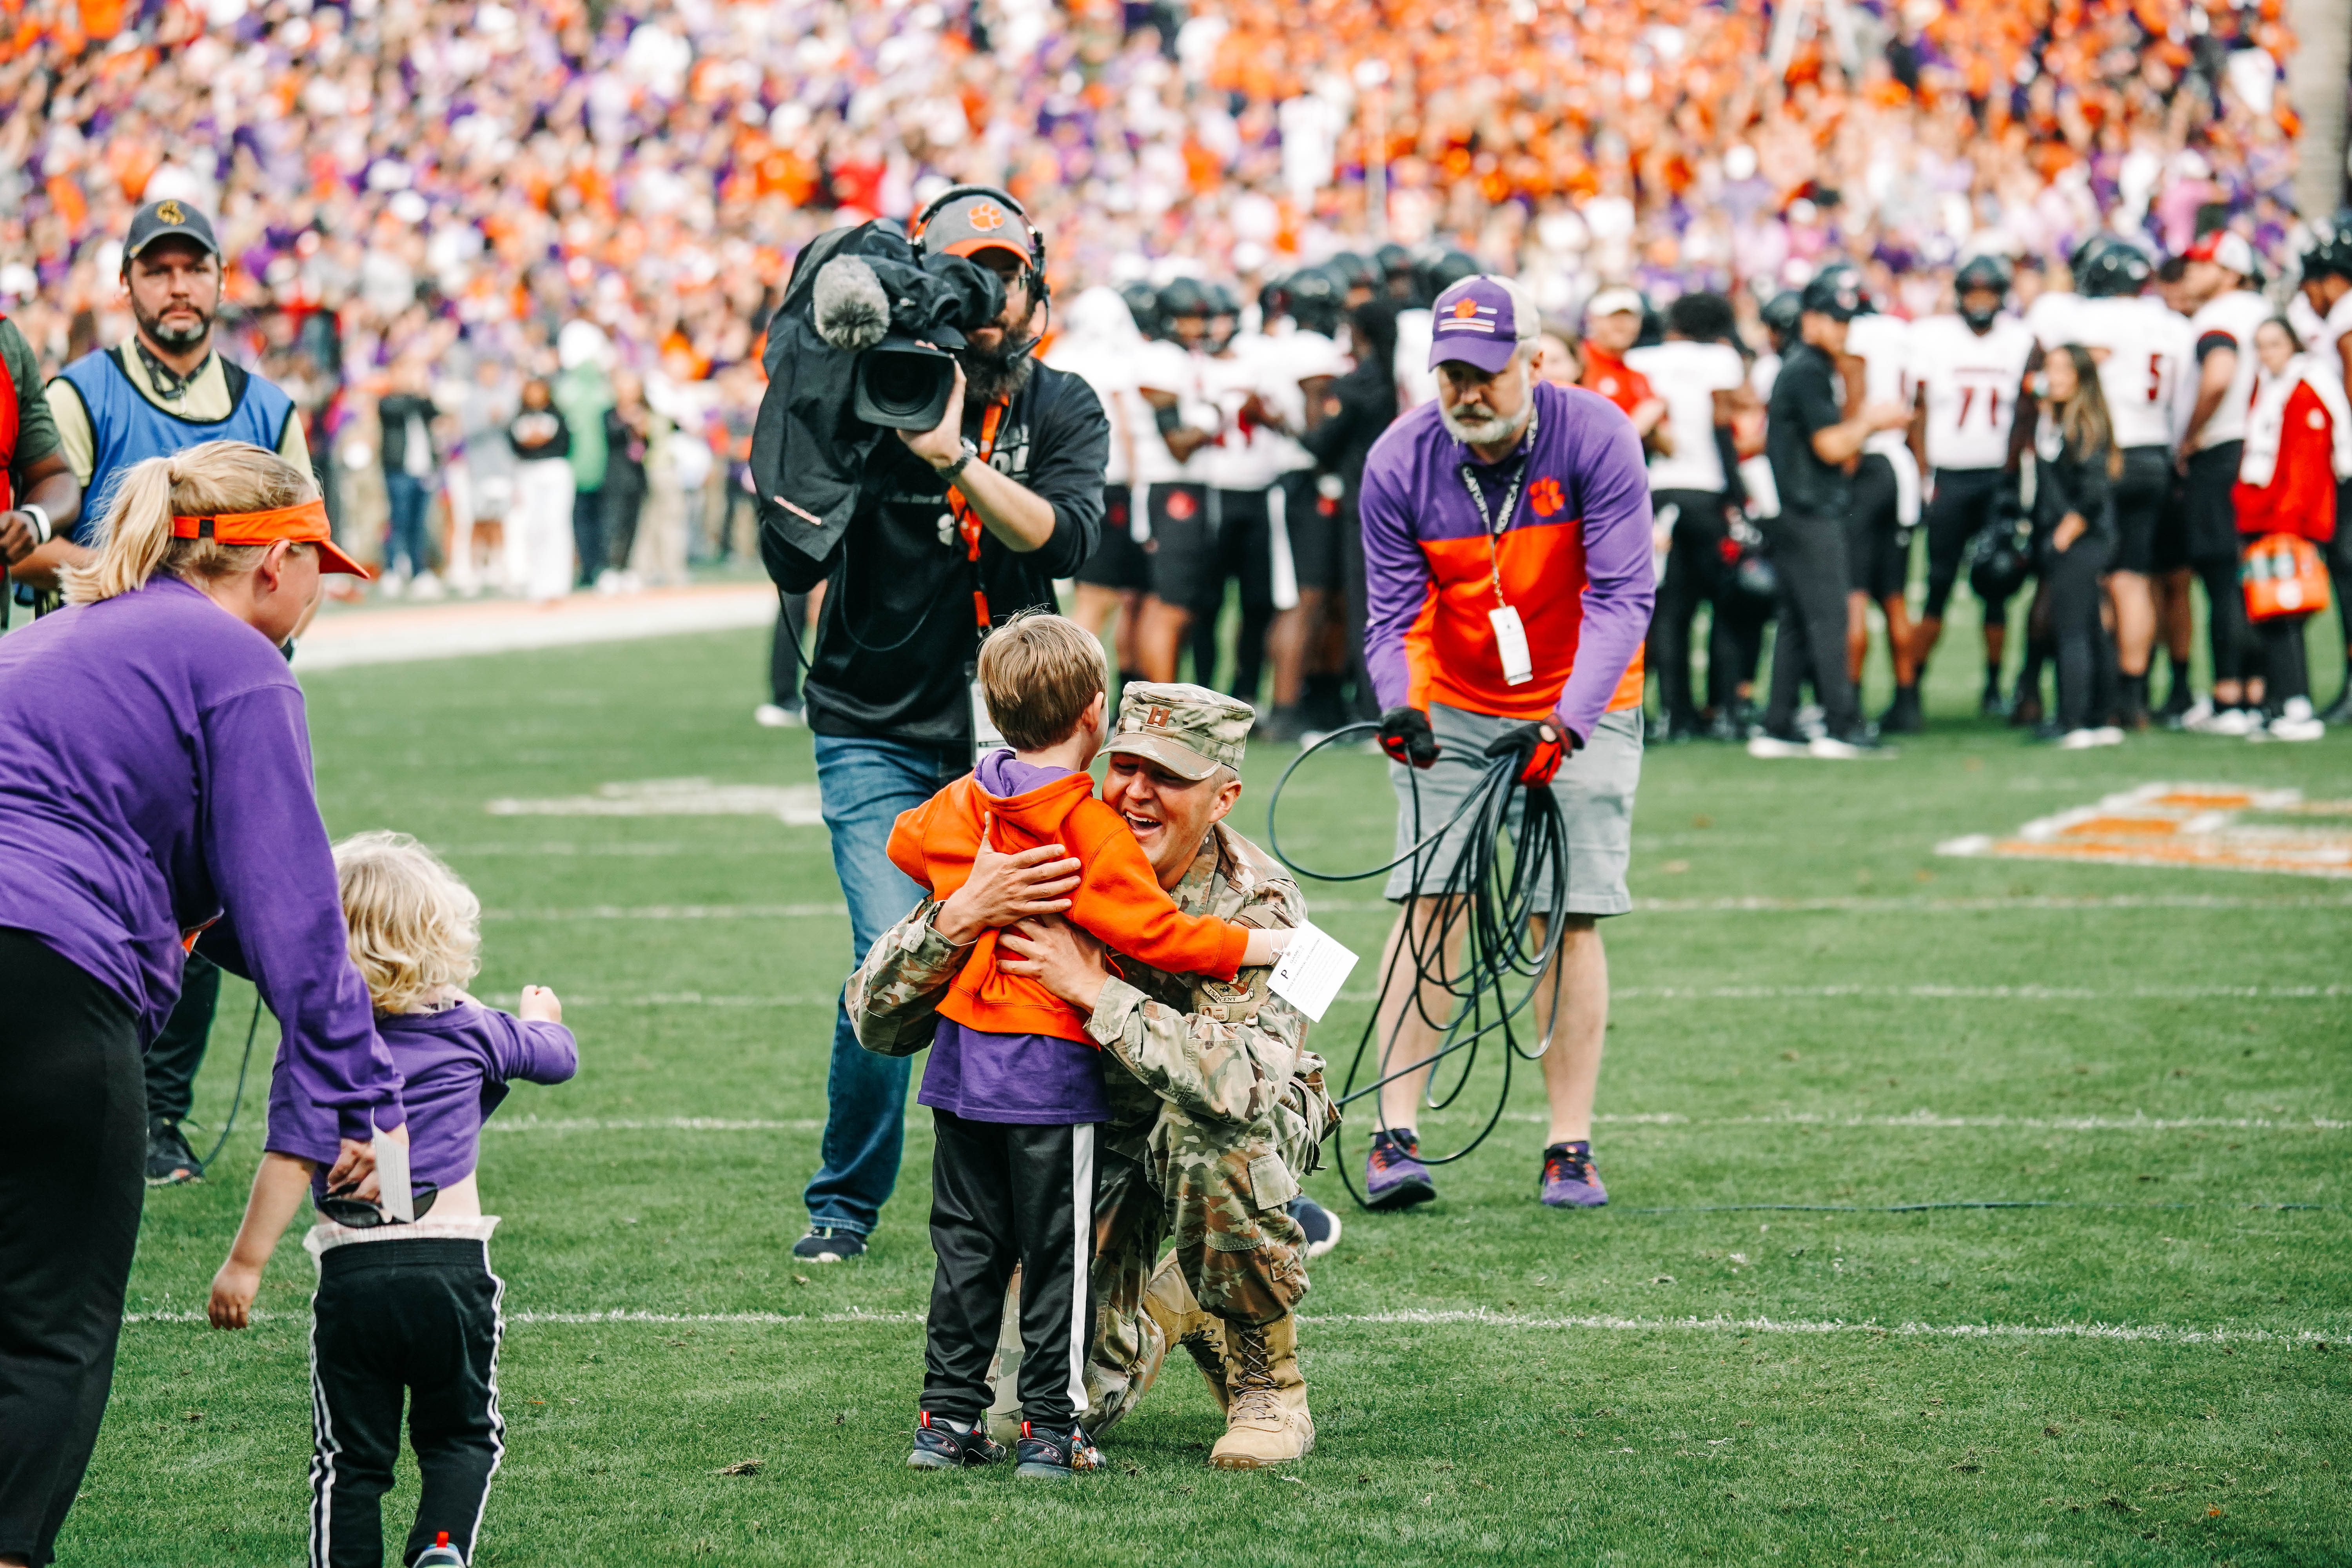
169, 218
1482, 321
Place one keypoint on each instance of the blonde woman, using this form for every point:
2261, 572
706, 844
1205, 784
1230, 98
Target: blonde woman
155, 784
418, 1318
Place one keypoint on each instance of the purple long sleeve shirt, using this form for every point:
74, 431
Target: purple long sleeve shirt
1573, 559
458, 1064
155, 777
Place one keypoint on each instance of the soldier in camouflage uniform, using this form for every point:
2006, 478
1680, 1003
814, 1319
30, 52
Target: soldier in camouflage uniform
1220, 1108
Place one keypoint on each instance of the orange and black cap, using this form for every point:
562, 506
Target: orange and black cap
303, 524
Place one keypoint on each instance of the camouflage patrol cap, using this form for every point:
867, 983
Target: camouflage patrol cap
1188, 730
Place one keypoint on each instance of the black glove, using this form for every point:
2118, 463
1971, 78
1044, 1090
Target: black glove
1539, 753
1406, 737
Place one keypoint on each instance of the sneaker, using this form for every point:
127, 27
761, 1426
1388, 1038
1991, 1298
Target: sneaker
1055, 1456
2190, 716
1322, 1226
1904, 716
1847, 747
1813, 720
1570, 1182
829, 1243
2235, 723
2297, 722
2107, 735
2078, 740
1770, 746
941, 1444
170, 1161
1394, 1177
440, 1555
769, 716
2177, 705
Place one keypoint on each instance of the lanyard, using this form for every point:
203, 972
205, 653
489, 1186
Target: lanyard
966, 520
1510, 504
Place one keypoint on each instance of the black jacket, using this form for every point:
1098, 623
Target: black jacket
2075, 481
899, 625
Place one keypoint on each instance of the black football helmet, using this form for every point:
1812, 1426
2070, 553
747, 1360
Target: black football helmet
2116, 270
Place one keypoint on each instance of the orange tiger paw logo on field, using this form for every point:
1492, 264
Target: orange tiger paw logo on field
1545, 496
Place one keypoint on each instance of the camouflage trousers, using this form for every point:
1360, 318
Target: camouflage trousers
1219, 1192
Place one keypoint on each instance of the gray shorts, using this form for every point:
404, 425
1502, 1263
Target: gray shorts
1594, 787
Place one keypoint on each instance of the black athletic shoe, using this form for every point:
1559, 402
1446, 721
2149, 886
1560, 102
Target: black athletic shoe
1321, 1224
939, 1446
170, 1161
440, 1555
1055, 1456
2341, 712
1904, 717
829, 1243
1993, 705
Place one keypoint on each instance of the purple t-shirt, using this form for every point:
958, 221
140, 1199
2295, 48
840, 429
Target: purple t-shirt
1033, 1080
155, 775
459, 1063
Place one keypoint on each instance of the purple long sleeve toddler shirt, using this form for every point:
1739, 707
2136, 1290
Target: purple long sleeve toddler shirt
1572, 557
1031, 1080
458, 1064
155, 777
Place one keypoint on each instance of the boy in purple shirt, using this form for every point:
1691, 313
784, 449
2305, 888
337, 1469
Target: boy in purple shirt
406, 1306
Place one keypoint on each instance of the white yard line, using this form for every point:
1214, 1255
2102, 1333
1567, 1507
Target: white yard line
1927, 992
2154, 1334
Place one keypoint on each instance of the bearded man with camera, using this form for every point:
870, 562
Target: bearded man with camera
925, 536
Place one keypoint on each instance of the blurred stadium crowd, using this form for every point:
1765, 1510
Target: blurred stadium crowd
448, 185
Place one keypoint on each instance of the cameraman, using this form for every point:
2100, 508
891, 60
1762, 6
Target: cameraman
973, 517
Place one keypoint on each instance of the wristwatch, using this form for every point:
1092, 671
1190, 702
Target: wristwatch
955, 469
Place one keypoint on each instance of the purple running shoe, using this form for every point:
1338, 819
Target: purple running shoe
1570, 1182
1394, 1177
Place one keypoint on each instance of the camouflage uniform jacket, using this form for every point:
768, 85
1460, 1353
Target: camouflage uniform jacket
1220, 1053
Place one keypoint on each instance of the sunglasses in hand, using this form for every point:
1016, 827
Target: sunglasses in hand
344, 1206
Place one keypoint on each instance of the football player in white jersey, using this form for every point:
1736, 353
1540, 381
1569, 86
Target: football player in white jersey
1970, 369
1704, 383
2326, 291
1886, 509
2218, 277
1432, 275
1172, 377
1295, 357
2145, 353
1101, 341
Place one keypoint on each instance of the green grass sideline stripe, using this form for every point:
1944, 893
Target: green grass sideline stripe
2158, 1333
1856, 904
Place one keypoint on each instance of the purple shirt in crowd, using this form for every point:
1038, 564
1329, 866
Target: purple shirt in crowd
1033, 1080
155, 775
459, 1063
1574, 556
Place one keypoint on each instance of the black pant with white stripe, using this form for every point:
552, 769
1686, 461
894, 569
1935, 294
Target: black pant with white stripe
419, 1316
1003, 1194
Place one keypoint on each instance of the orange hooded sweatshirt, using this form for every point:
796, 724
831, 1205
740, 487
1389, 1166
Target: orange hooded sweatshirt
1117, 900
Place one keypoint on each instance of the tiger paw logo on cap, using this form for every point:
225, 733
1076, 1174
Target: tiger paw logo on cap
1465, 309
1545, 496
985, 215
170, 212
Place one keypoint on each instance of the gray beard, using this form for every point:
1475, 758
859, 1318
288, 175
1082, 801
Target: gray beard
178, 341
1485, 432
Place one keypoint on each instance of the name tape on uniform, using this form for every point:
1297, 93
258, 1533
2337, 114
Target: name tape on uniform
1310, 972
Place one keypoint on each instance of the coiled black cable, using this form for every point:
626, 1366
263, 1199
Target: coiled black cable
1507, 872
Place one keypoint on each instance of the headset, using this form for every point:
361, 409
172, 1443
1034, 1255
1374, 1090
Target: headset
1037, 283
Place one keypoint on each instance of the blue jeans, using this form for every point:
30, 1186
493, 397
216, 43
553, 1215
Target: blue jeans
862, 787
407, 495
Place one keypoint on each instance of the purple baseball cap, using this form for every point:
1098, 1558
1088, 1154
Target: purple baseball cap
1482, 321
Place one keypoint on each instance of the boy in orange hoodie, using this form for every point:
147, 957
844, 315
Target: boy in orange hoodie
1014, 1082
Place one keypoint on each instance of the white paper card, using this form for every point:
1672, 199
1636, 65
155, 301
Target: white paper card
984, 735
1310, 972
393, 1196
1511, 642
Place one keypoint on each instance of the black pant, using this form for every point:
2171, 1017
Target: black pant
2227, 630
419, 1316
70, 1188
1695, 576
1003, 1194
588, 532
178, 1053
1966, 502
784, 652
2086, 658
2213, 549
624, 502
2285, 664
1808, 556
2338, 554
1244, 549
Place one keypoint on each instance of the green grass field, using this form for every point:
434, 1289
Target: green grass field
2156, 1375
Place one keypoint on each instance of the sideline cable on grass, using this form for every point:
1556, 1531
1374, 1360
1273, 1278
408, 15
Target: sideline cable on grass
1516, 845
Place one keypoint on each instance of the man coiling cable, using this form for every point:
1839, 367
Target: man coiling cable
1506, 546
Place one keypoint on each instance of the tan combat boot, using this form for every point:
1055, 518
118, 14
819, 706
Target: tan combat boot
1169, 1302
1267, 1422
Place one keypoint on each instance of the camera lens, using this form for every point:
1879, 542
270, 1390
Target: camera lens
903, 390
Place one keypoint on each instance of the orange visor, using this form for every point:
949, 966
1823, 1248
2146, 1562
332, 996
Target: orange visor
304, 524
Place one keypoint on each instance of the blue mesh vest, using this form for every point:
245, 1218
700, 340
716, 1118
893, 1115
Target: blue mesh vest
127, 427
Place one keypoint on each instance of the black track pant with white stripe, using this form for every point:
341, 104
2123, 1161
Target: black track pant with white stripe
419, 1317
1003, 1194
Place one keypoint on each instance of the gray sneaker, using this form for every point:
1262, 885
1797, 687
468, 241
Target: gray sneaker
170, 1161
